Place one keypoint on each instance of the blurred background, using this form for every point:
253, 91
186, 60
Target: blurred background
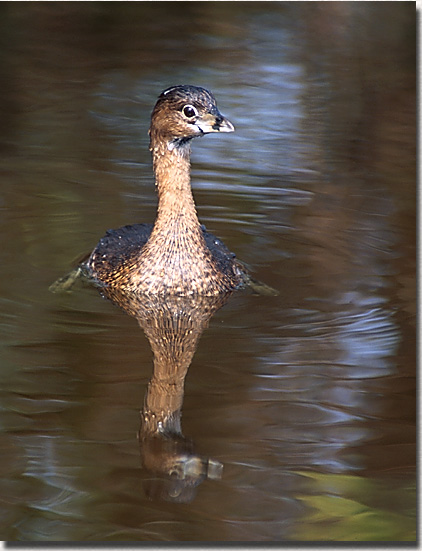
308, 399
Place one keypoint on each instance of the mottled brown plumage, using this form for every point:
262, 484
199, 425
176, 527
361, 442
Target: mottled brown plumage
176, 256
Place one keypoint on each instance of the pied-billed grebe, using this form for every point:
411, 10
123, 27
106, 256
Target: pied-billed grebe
176, 255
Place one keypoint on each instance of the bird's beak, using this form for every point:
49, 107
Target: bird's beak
214, 123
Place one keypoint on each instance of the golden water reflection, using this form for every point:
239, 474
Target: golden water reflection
173, 326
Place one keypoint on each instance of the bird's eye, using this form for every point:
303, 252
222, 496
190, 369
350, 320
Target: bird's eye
189, 111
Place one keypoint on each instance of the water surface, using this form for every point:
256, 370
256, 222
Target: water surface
307, 399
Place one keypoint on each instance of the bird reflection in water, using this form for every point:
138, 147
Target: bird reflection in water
173, 326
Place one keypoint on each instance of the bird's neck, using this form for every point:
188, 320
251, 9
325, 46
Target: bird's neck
176, 213
176, 255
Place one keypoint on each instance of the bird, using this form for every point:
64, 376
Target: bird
175, 256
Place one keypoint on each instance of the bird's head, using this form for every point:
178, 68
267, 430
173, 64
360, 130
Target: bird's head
185, 112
